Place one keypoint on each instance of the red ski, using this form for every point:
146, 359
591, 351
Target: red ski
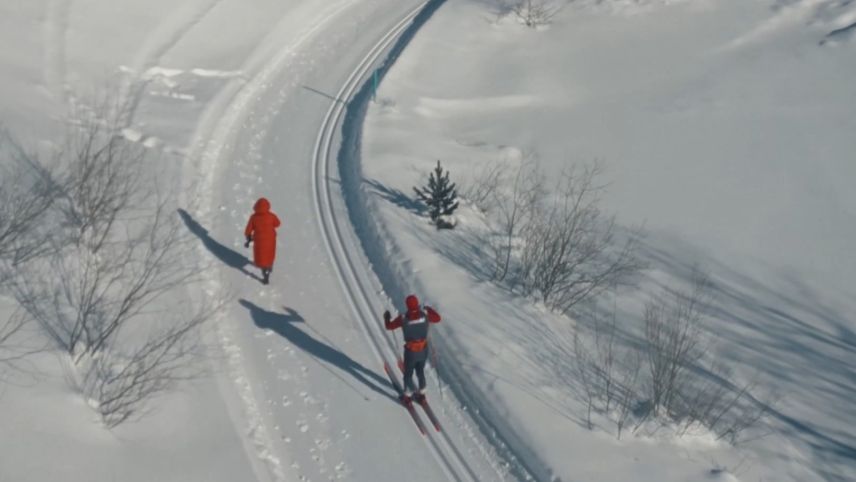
408, 404
423, 403
430, 413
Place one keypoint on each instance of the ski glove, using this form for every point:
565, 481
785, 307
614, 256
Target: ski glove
249, 240
386, 316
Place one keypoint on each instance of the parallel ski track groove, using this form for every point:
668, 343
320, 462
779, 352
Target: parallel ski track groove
457, 469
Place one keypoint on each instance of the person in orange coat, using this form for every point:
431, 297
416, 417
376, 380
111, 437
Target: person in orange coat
261, 231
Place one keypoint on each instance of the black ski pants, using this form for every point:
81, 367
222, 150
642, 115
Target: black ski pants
415, 361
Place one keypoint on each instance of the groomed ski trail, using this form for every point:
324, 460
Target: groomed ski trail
235, 134
444, 451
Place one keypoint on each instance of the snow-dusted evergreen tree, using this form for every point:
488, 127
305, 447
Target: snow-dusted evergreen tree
440, 195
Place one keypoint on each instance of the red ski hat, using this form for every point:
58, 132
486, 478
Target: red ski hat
412, 302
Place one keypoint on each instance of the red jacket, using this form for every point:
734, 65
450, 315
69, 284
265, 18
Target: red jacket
414, 322
262, 227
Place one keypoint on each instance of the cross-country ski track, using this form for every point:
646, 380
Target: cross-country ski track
256, 140
445, 452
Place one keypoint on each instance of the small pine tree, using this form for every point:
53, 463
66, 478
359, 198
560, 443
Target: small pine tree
440, 195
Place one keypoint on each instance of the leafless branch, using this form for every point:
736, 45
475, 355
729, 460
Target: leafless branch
122, 384
569, 251
535, 13
120, 254
674, 342
515, 208
481, 189
25, 198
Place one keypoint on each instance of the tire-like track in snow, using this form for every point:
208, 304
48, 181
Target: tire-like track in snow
451, 459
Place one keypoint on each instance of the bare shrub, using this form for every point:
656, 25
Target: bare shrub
8, 329
513, 211
673, 340
119, 254
25, 197
94, 294
685, 387
535, 13
481, 189
121, 383
608, 373
682, 390
557, 245
25, 200
14, 348
102, 180
570, 250
721, 407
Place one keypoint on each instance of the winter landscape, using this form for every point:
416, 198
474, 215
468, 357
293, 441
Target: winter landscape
634, 218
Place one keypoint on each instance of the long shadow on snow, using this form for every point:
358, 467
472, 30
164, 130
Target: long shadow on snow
394, 196
779, 327
285, 325
229, 257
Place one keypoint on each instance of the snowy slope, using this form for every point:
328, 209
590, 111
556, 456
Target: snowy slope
726, 127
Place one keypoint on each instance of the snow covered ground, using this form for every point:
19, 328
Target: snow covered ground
726, 127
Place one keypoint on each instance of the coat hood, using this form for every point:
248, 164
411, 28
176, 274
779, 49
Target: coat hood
412, 302
262, 205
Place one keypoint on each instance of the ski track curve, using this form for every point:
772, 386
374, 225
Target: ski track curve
228, 112
336, 248
214, 135
355, 282
485, 436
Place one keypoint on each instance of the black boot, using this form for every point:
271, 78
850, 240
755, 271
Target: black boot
265, 276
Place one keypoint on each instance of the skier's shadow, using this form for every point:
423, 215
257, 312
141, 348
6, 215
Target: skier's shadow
229, 257
285, 324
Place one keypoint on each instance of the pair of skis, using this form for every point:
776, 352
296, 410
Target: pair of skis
408, 404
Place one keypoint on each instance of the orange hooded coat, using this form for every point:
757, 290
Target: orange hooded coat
262, 227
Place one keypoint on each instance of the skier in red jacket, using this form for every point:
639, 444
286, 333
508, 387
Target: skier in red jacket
261, 231
414, 323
